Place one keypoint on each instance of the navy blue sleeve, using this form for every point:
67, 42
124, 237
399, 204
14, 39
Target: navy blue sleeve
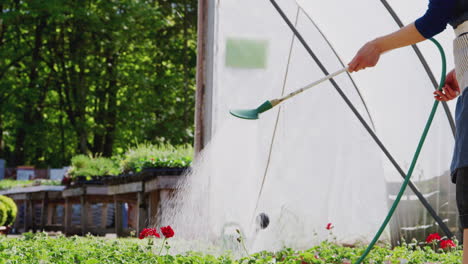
436, 18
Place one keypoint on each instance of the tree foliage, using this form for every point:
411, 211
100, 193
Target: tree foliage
11, 210
94, 76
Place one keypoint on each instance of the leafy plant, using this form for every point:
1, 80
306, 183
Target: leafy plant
11, 209
88, 167
8, 184
3, 214
152, 156
39, 248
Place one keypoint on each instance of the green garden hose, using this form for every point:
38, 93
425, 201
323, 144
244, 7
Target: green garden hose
415, 158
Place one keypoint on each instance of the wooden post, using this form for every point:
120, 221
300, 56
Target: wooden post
84, 214
25, 215
52, 208
68, 216
90, 215
200, 137
142, 212
29, 214
44, 210
16, 225
104, 216
395, 228
199, 93
153, 207
32, 218
118, 217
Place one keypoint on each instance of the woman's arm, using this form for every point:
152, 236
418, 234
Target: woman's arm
369, 54
434, 21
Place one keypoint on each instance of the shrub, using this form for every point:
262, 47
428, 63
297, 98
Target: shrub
11, 208
152, 156
3, 214
88, 167
80, 161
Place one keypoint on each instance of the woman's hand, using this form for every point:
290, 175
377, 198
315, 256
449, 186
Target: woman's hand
450, 90
367, 56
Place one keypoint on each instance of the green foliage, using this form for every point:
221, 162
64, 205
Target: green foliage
8, 184
134, 160
38, 248
152, 156
328, 252
3, 214
91, 77
88, 167
11, 208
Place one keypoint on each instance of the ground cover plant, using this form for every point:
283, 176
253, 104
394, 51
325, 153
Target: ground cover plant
133, 161
87, 166
8, 183
156, 156
40, 248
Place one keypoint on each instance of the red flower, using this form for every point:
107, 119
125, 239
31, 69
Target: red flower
167, 231
149, 232
447, 244
430, 238
66, 180
329, 226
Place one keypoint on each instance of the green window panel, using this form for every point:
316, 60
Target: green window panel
246, 53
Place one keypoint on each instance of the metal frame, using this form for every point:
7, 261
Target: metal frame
205, 89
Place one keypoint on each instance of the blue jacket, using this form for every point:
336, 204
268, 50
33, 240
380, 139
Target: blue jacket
461, 13
439, 14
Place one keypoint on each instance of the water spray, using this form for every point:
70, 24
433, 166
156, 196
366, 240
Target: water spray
371, 132
254, 113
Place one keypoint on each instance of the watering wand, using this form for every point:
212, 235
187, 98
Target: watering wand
252, 114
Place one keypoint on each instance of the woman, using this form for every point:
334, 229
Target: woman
435, 20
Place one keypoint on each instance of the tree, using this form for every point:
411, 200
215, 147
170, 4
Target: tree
94, 77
